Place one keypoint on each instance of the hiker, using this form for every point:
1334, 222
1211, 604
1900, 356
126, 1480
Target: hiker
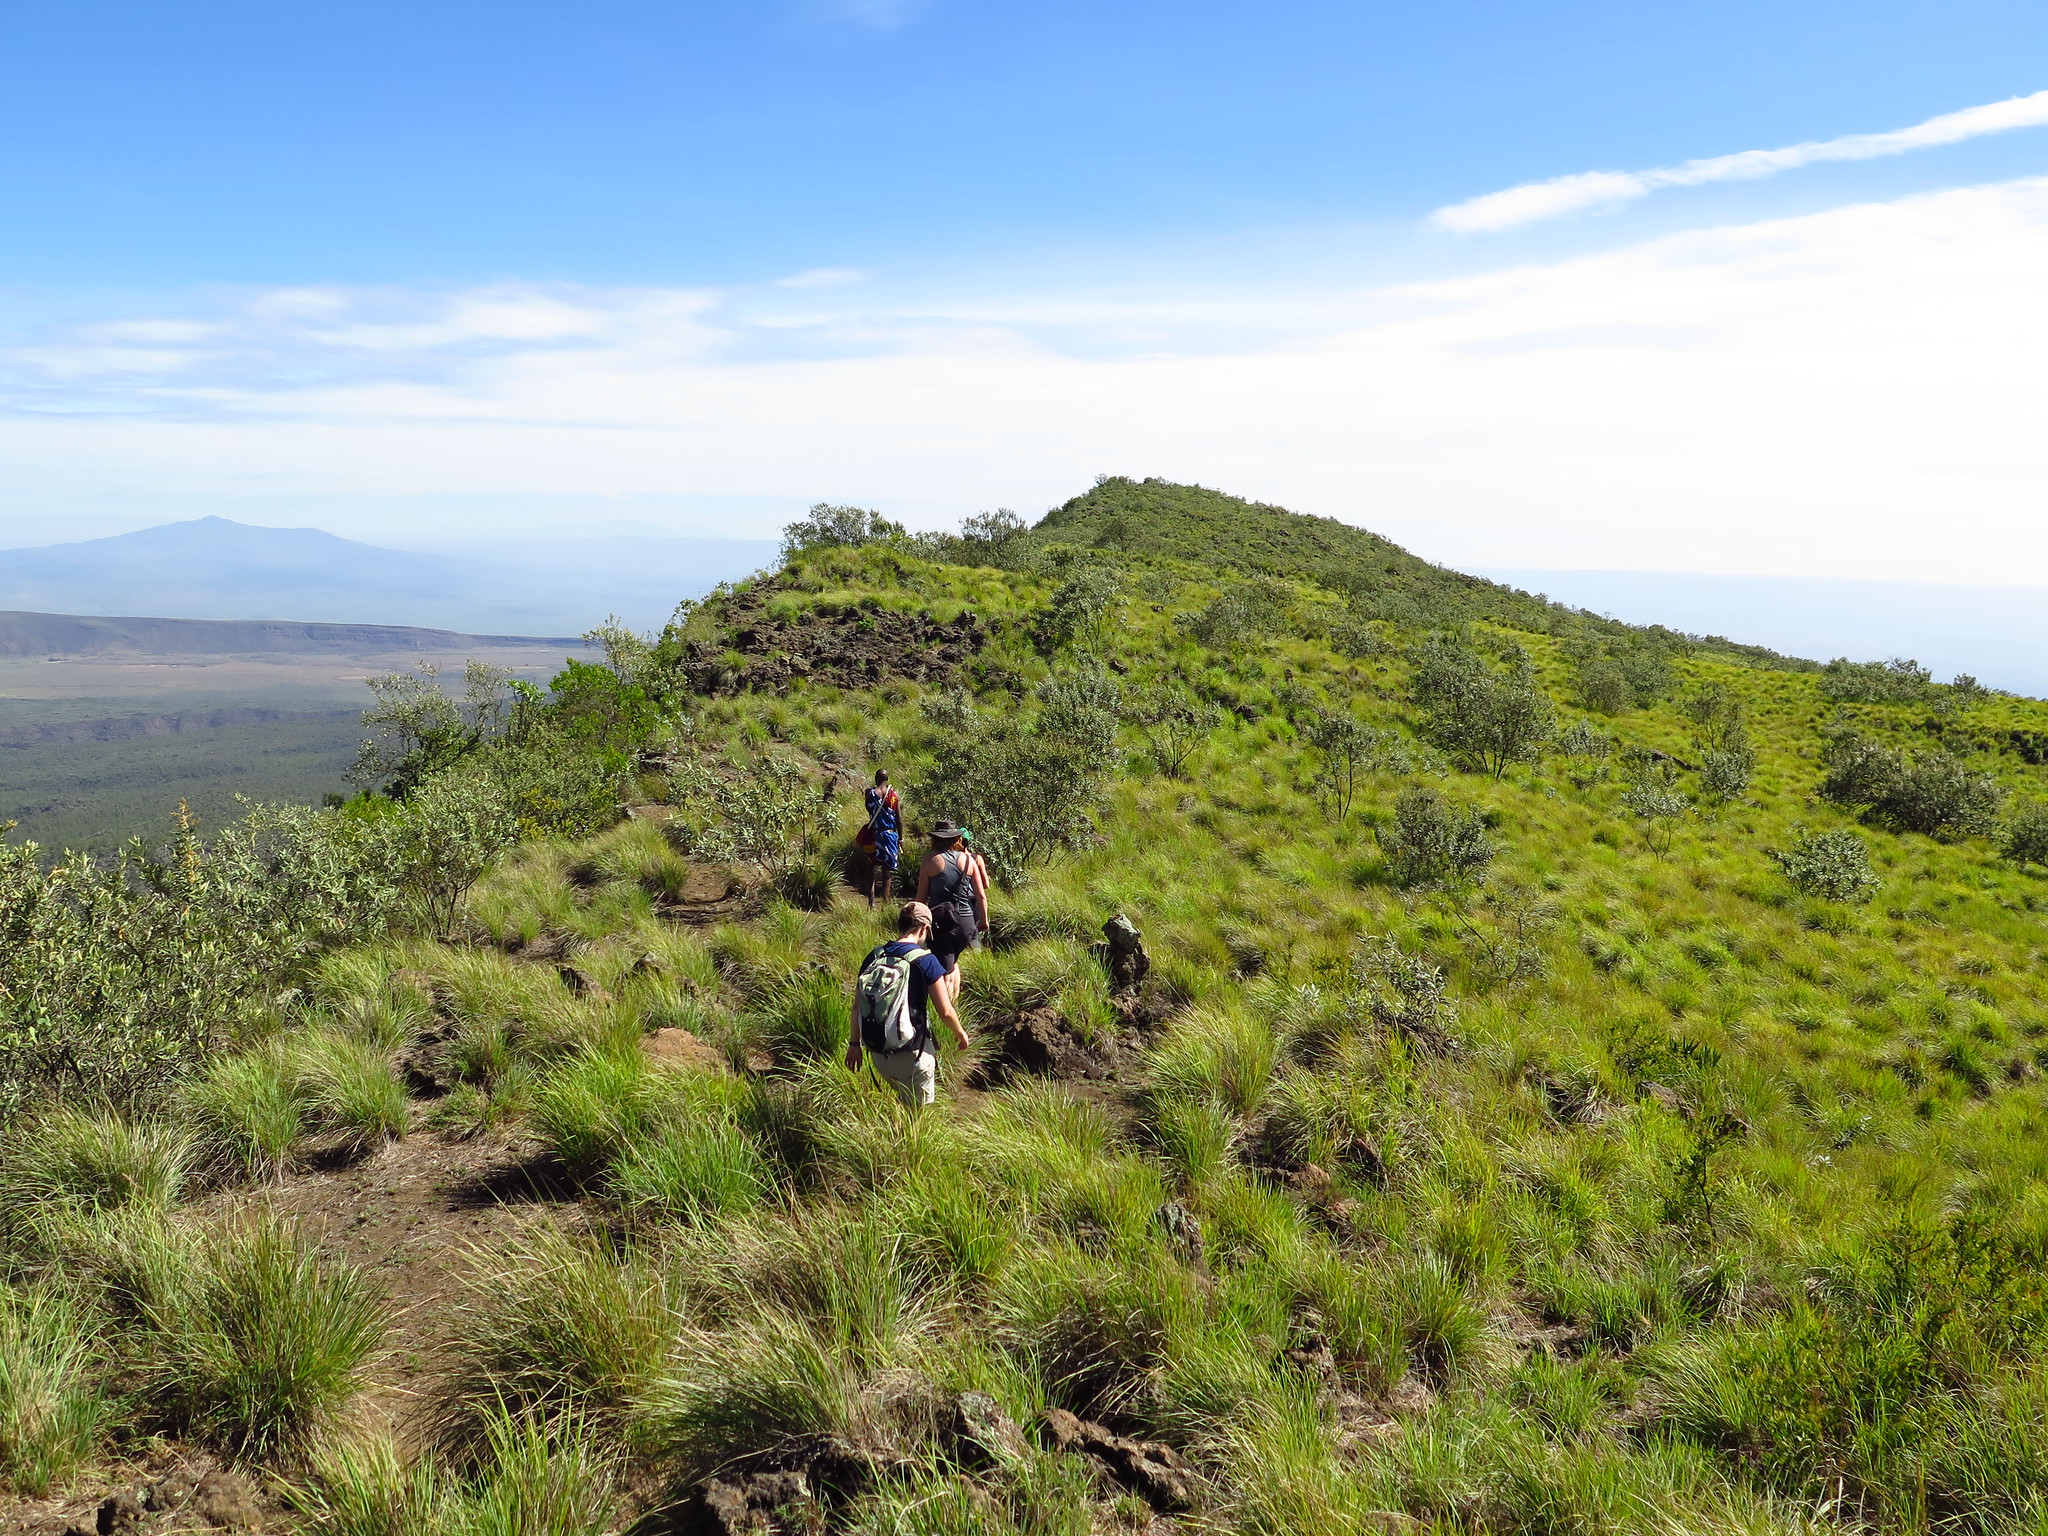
954, 884
882, 837
896, 983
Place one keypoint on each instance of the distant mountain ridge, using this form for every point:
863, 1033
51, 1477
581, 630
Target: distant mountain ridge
213, 568
67, 733
71, 634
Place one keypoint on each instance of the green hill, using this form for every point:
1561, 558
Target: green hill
1578, 1082
1213, 531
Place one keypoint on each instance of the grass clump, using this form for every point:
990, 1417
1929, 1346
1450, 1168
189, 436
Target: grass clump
251, 1339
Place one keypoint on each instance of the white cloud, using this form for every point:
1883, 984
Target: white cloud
1537, 200
823, 277
1851, 393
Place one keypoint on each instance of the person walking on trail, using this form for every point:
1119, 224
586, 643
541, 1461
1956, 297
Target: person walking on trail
898, 982
882, 837
954, 884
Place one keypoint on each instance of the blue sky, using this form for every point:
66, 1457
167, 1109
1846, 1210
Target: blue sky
452, 265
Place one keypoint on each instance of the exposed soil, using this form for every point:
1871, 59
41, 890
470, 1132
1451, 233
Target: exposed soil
414, 1215
854, 649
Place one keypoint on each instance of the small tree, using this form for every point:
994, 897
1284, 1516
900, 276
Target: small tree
1078, 608
1483, 716
1585, 752
1402, 994
1350, 750
1834, 866
1173, 722
1432, 842
1727, 760
1652, 796
419, 730
1250, 610
2026, 834
827, 527
1025, 788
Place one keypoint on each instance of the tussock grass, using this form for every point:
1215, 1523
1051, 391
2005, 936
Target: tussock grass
55, 1399
249, 1337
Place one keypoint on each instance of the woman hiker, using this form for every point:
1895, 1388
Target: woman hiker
954, 884
883, 837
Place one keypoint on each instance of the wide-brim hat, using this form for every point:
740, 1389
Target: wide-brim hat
945, 831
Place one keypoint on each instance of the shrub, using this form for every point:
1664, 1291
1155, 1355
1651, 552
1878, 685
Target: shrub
1078, 609
1173, 723
1897, 681
1728, 765
53, 1405
1403, 994
1351, 750
1432, 842
257, 1342
121, 974
1944, 797
1834, 866
1247, 611
1611, 681
1484, 717
772, 811
830, 527
1936, 793
1026, 790
2026, 834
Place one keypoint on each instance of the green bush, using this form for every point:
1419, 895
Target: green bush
1483, 716
1432, 842
1834, 866
2026, 834
1936, 793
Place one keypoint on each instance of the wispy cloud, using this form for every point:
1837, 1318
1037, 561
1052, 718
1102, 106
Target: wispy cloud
1855, 392
1537, 200
824, 277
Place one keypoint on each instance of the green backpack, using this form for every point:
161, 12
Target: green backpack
882, 1001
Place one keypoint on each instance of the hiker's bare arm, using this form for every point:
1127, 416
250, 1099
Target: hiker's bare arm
853, 1041
979, 880
924, 879
942, 999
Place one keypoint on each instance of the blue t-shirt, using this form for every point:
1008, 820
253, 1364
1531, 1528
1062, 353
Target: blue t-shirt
925, 970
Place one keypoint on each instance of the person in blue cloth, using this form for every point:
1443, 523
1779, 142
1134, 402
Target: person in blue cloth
913, 1071
883, 837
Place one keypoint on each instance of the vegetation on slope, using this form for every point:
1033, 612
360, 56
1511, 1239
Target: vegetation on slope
1553, 1104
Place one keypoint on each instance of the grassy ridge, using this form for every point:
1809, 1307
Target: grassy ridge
1629, 1190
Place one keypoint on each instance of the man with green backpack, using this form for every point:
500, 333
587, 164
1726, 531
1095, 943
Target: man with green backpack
898, 981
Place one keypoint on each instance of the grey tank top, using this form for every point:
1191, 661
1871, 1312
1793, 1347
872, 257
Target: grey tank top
952, 891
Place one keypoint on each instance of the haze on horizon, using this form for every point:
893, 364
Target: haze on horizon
1742, 290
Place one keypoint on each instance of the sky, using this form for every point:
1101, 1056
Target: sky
1741, 288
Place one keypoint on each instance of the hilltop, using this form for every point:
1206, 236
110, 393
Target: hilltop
1218, 532
1578, 1079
